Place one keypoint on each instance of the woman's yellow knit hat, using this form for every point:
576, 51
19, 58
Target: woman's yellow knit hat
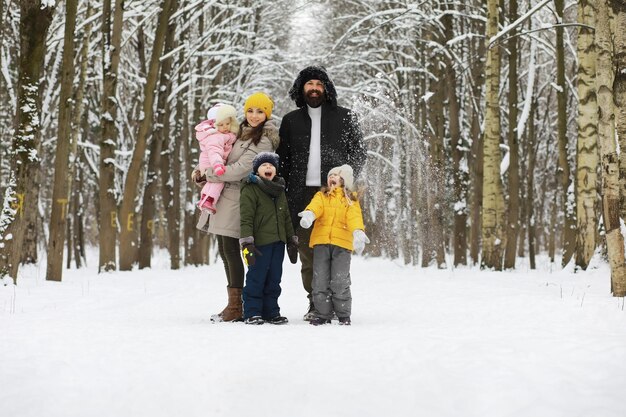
261, 101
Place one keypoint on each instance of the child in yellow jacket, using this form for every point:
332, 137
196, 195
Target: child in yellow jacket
338, 230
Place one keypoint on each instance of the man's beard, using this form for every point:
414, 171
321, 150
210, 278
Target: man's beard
315, 101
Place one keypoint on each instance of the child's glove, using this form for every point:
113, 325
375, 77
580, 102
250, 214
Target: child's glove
359, 241
308, 217
219, 169
292, 249
250, 252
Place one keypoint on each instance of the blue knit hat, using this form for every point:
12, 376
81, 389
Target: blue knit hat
262, 158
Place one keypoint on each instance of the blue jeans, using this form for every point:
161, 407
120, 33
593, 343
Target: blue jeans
262, 289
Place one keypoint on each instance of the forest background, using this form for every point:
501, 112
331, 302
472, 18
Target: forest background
493, 127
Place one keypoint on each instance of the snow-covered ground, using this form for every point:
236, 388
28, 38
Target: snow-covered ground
424, 342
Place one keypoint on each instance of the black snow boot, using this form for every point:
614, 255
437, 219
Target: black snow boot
345, 321
318, 321
277, 320
254, 320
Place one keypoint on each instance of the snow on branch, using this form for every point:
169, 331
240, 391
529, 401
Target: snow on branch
530, 86
48, 3
519, 21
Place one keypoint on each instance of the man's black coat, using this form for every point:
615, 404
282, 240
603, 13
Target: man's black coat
341, 143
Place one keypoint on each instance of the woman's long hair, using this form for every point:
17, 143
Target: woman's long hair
253, 134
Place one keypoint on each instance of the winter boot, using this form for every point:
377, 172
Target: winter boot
234, 309
345, 321
310, 314
218, 317
277, 320
318, 321
256, 320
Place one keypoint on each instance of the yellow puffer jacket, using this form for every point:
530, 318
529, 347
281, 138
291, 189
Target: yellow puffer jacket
335, 219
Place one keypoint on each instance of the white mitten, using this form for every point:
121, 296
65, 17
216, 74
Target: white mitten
359, 241
308, 217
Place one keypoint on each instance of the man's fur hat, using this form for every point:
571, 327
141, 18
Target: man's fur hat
296, 93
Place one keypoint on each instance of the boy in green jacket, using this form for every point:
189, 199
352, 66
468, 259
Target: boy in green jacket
265, 229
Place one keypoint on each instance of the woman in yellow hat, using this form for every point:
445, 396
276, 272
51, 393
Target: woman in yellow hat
257, 133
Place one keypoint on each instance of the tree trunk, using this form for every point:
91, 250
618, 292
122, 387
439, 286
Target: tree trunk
127, 208
553, 228
587, 149
415, 201
147, 226
78, 240
476, 152
190, 234
460, 177
493, 232
159, 135
563, 173
62, 178
619, 90
171, 167
79, 124
513, 214
435, 172
608, 84
108, 222
35, 20
29, 253
532, 157
405, 215
170, 161
198, 241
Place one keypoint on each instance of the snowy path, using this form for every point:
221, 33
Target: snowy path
424, 342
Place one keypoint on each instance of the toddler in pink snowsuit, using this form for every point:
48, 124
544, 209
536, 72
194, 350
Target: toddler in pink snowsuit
216, 136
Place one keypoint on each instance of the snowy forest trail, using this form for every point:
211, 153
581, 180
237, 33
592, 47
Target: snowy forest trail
423, 342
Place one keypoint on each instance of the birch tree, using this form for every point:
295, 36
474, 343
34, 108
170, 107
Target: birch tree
605, 77
493, 233
587, 144
619, 90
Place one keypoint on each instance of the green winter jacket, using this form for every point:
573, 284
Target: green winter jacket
265, 216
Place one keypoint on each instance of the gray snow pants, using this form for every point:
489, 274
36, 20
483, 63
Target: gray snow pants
331, 281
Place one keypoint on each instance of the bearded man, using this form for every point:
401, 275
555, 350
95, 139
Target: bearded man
316, 137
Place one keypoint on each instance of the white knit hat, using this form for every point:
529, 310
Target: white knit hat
221, 112
345, 172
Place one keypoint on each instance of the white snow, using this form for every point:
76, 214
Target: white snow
557, 87
428, 342
520, 20
504, 164
530, 87
48, 3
